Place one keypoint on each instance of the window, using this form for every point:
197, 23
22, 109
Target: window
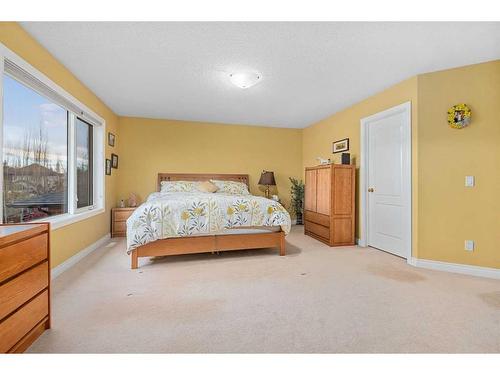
52, 149
35, 155
83, 163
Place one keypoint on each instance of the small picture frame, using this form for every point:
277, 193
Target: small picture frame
340, 146
114, 161
111, 139
108, 167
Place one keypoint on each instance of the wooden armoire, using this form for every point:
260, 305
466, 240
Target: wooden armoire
329, 205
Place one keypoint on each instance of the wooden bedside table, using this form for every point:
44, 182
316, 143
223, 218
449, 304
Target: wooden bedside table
119, 218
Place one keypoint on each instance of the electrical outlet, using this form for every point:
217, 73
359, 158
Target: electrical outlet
469, 245
469, 181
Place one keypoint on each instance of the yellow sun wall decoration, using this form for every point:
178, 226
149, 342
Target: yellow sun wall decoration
459, 116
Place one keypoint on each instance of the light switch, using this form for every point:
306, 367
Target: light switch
469, 245
469, 181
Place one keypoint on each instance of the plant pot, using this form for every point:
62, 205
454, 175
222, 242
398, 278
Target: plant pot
299, 219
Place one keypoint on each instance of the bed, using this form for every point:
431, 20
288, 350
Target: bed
188, 222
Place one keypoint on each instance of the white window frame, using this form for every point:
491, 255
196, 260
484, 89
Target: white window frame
99, 130
72, 187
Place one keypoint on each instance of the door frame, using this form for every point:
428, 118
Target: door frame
407, 173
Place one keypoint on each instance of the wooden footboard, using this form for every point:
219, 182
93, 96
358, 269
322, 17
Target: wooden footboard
203, 244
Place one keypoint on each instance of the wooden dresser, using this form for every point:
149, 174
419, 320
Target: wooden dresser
329, 205
24, 285
119, 218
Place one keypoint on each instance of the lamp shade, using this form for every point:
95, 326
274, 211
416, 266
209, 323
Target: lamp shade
267, 178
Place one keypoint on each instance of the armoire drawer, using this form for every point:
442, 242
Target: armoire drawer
317, 218
317, 229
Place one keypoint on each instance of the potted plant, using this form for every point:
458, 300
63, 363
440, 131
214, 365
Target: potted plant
297, 203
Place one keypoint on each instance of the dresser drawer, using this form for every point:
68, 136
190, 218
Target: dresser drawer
23, 287
318, 218
20, 256
20, 323
122, 215
317, 229
120, 226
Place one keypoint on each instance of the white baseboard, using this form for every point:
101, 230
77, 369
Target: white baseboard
492, 273
68, 263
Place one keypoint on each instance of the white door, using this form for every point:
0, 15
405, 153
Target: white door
388, 180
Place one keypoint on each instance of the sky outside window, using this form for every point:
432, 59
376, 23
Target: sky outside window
35, 145
25, 112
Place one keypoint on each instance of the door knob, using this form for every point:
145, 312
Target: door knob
371, 190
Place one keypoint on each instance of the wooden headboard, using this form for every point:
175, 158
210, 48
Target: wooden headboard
201, 177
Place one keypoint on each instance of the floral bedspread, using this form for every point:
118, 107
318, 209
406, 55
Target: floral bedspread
167, 215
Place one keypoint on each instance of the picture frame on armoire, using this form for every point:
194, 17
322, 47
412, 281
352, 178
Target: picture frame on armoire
340, 146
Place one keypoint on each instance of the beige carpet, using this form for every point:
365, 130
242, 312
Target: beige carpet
316, 299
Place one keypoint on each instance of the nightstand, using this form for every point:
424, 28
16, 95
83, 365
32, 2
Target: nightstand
119, 218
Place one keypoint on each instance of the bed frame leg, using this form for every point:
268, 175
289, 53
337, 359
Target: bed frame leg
282, 244
135, 258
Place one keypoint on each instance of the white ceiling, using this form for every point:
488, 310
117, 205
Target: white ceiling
309, 70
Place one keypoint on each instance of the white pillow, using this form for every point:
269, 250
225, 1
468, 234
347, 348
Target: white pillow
178, 186
231, 187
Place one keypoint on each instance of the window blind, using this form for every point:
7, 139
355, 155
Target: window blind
15, 71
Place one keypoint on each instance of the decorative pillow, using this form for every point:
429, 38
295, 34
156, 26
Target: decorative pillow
178, 186
231, 187
207, 187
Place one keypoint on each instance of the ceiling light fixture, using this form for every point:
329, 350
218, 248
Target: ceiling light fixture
245, 80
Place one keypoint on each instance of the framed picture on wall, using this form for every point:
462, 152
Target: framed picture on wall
340, 146
111, 139
114, 161
108, 167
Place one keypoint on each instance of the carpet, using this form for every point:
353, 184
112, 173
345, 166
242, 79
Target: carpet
316, 299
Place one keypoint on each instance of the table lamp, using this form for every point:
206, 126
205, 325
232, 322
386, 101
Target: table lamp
267, 179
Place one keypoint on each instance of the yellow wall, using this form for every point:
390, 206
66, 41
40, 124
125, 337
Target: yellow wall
68, 240
450, 213
317, 139
445, 213
152, 146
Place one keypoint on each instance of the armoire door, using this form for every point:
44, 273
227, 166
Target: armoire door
323, 190
310, 193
